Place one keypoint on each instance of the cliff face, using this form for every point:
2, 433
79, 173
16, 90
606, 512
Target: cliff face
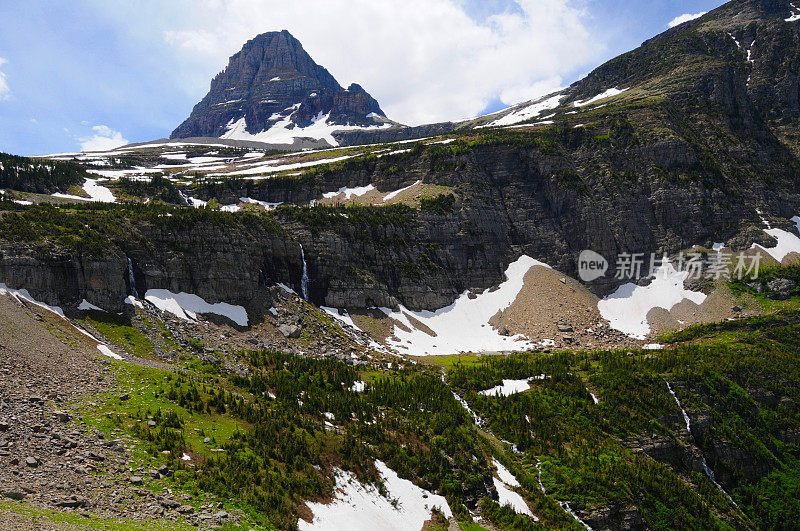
273, 79
699, 141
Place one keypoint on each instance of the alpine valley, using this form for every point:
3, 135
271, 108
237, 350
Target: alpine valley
298, 313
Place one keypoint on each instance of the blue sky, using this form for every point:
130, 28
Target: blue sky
101, 72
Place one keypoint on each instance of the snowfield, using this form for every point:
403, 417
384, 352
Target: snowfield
392, 195
787, 242
359, 507
186, 306
607, 94
527, 112
626, 309
464, 325
508, 496
284, 131
508, 388
357, 191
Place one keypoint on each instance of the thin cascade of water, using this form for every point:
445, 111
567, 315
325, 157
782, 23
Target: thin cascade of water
566, 507
706, 468
304, 278
132, 279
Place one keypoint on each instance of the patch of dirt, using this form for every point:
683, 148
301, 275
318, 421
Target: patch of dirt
549, 298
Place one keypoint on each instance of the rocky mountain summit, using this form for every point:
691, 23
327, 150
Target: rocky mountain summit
273, 91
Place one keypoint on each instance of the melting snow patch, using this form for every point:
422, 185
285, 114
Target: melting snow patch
286, 288
86, 306
521, 114
358, 387
508, 496
187, 306
795, 16
464, 325
361, 507
392, 195
607, 94
718, 247
358, 191
627, 308
105, 351
98, 193
285, 131
787, 242
510, 387
22, 294
133, 301
653, 346
265, 204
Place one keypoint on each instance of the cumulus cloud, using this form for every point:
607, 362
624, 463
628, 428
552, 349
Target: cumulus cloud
5, 91
424, 60
104, 139
686, 17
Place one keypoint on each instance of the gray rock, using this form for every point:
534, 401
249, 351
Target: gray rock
564, 328
72, 502
13, 493
31, 462
782, 288
63, 416
290, 331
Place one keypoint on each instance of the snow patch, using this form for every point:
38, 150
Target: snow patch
510, 387
284, 131
98, 193
87, 306
23, 295
527, 112
795, 15
787, 242
361, 507
504, 492
607, 94
626, 309
105, 351
392, 195
463, 326
186, 306
358, 191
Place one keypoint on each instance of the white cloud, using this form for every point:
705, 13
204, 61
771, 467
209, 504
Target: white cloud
423, 60
5, 91
104, 139
686, 17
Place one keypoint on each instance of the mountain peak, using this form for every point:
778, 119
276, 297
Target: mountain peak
272, 91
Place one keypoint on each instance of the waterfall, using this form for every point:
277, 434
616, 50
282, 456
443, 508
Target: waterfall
304, 279
566, 507
706, 468
539, 470
132, 279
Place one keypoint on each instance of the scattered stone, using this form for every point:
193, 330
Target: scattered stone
72, 502
124, 397
31, 462
63, 416
13, 493
185, 509
565, 328
290, 331
136, 480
